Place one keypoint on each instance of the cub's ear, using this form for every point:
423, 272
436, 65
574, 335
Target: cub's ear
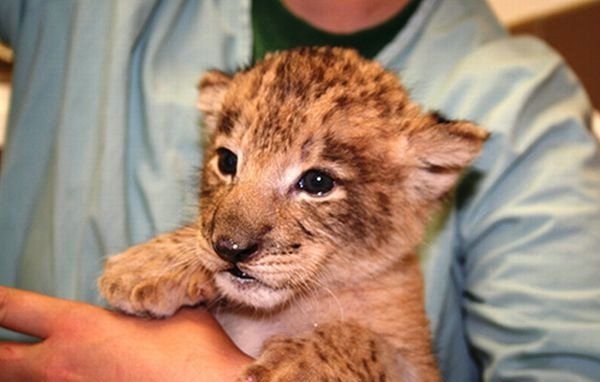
212, 88
440, 150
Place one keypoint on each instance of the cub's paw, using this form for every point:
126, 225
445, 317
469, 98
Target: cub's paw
333, 352
154, 279
291, 359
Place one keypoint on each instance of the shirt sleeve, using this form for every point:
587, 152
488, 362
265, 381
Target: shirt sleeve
10, 16
530, 234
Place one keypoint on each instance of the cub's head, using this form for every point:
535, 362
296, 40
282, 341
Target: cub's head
318, 171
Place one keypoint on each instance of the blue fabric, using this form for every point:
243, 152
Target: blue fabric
102, 151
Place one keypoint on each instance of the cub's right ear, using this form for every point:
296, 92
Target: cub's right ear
212, 88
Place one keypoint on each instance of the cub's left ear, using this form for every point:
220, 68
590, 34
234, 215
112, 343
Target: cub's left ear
440, 150
212, 88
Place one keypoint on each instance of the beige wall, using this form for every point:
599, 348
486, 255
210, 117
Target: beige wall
4, 96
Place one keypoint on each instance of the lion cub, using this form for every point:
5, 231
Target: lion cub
319, 177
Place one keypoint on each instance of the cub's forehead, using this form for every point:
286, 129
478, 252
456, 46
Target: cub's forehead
292, 95
311, 73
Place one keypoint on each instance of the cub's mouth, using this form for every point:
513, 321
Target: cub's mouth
250, 289
238, 273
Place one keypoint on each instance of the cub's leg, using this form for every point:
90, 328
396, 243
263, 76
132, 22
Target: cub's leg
334, 352
157, 277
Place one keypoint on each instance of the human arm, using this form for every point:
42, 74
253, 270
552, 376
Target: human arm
84, 342
529, 236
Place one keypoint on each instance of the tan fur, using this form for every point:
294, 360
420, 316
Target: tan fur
329, 288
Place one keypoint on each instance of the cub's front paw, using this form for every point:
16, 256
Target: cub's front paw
154, 279
333, 352
283, 359
296, 359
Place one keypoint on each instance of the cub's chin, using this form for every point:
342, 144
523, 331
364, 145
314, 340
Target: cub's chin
242, 288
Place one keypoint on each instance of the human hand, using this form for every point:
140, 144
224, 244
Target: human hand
81, 342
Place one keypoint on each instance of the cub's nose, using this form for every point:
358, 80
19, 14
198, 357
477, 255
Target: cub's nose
233, 252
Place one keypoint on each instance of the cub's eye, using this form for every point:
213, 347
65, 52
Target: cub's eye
227, 161
316, 182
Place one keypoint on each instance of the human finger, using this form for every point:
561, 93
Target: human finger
14, 361
30, 313
13, 351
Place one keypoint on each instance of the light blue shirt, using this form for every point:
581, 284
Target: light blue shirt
102, 151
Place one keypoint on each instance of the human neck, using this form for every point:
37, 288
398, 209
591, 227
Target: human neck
344, 16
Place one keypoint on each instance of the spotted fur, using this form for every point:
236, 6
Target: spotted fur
318, 286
